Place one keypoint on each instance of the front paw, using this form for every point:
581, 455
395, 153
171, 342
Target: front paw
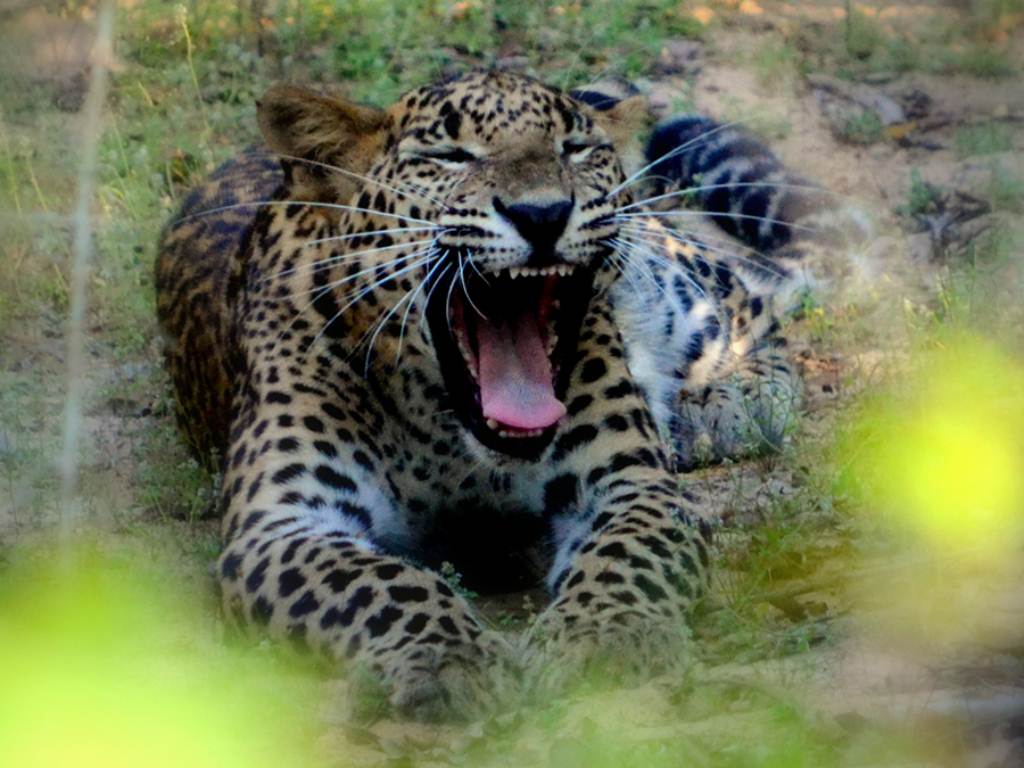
627, 646
440, 681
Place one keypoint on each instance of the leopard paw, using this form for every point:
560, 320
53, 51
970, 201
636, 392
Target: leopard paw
447, 680
626, 647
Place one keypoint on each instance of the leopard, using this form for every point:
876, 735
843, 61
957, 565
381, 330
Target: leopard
454, 331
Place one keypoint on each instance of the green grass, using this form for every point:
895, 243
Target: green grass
983, 139
978, 293
1006, 190
30, 440
171, 483
863, 45
979, 60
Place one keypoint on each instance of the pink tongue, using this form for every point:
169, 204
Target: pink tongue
515, 375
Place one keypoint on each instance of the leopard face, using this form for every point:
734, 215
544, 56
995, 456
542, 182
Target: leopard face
510, 180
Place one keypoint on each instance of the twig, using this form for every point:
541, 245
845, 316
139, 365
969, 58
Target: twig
9, 157
81, 254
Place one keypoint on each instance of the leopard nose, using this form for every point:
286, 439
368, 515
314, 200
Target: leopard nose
539, 225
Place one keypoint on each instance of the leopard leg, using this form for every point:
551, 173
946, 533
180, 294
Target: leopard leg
624, 581
631, 558
303, 560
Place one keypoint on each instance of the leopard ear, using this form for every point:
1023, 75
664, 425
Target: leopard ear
626, 120
625, 123
312, 131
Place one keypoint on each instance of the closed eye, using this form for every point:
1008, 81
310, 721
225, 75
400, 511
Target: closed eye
448, 155
576, 150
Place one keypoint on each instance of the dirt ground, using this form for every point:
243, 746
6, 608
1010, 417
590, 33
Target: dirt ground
866, 689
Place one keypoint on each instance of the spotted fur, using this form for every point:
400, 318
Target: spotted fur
304, 353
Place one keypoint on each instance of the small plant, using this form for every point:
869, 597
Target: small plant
821, 325
863, 128
921, 196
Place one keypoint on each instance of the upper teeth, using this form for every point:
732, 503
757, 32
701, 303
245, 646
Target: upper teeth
558, 269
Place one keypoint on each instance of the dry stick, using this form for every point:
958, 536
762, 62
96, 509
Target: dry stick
9, 157
81, 253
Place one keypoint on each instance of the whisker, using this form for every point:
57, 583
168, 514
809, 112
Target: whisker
623, 247
672, 153
384, 185
330, 206
764, 263
465, 289
424, 257
734, 250
673, 265
405, 317
761, 265
617, 261
357, 295
713, 216
469, 258
380, 327
649, 245
322, 264
626, 266
448, 305
437, 282
738, 185
663, 229
676, 266
357, 235
373, 268
362, 293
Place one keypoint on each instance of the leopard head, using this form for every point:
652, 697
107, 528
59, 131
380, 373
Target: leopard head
503, 188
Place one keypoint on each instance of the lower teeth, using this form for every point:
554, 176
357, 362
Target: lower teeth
495, 426
522, 433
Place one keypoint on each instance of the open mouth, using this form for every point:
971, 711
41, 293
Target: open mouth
506, 343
